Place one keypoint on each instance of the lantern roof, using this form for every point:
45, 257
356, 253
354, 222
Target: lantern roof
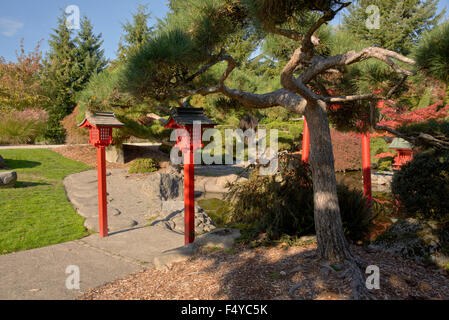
399, 143
101, 119
186, 116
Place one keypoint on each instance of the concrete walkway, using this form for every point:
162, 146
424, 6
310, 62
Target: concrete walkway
41, 273
55, 146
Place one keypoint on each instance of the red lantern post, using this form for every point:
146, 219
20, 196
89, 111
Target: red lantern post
185, 118
100, 127
305, 143
366, 165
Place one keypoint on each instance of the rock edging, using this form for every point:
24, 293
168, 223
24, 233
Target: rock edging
223, 238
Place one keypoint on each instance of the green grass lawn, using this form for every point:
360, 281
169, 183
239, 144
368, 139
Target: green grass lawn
36, 212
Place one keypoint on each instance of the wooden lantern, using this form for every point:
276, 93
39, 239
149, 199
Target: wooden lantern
184, 118
405, 152
100, 126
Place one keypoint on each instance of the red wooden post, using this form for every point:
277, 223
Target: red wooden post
366, 161
187, 119
100, 126
102, 195
305, 143
189, 195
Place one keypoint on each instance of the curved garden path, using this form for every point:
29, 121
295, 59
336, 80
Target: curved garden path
132, 246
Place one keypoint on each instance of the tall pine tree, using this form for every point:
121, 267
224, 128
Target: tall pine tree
68, 67
90, 57
401, 22
136, 33
60, 77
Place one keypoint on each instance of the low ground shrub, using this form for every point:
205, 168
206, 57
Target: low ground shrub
384, 161
22, 127
283, 204
421, 187
144, 166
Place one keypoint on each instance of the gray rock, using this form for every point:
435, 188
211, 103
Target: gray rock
174, 219
311, 238
3, 164
223, 238
381, 181
115, 154
168, 258
413, 239
165, 186
8, 179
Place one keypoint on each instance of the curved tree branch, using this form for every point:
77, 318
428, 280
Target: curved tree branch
421, 138
320, 64
281, 97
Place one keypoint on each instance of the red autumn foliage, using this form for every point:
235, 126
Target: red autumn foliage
395, 118
20, 87
384, 155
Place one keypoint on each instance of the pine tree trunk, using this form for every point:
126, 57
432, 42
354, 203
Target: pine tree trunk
332, 244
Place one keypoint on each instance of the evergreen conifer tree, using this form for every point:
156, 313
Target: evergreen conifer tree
59, 78
90, 57
136, 33
68, 67
400, 22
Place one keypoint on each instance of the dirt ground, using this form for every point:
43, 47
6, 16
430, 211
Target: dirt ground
270, 273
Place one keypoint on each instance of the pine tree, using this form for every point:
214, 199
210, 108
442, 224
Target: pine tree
136, 33
401, 22
90, 57
59, 78
432, 53
182, 61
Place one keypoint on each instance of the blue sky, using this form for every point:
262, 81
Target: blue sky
33, 20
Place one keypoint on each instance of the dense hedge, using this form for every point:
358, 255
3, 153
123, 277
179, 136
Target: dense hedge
421, 187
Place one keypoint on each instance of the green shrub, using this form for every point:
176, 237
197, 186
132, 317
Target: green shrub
422, 186
385, 164
283, 204
355, 214
144, 166
22, 127
378, 145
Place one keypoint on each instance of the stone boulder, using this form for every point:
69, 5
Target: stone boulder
3, 164
415, 239
165, 186
8, 179
381, 181
171, 215
115, 154
203, 223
